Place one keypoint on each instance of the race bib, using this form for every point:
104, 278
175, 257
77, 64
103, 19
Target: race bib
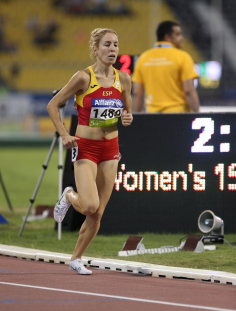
105, 112
74, 153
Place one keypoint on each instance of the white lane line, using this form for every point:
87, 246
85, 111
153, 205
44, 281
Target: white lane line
121, 297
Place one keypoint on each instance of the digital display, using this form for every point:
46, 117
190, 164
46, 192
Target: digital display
209, 74
173, 167
125, 63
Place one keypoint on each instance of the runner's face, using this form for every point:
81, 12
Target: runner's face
177, 37
108, 49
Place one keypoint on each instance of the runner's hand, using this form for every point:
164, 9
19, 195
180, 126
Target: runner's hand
126, 118
69, 141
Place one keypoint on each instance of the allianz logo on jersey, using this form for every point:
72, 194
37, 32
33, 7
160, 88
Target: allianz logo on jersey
109, 102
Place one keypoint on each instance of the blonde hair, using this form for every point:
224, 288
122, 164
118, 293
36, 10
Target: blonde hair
95, 38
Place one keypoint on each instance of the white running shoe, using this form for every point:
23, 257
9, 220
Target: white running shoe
62, 206
77, 265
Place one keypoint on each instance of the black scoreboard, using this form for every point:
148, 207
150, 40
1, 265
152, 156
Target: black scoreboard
173, 167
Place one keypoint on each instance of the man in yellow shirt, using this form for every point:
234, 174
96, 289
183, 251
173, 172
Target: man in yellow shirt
165, 74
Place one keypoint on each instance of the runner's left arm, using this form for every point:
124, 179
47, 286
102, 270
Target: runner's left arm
127, 116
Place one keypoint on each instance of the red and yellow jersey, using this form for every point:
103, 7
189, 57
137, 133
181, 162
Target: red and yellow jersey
100, 106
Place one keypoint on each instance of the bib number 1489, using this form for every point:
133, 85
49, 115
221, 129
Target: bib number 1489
108, 113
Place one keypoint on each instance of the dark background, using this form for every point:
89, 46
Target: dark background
157, 142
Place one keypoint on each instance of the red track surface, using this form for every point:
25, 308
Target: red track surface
165, 294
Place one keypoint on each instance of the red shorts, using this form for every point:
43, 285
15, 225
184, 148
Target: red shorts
96, 150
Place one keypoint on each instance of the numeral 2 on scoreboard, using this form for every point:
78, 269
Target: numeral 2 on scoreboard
208, 129
126, 61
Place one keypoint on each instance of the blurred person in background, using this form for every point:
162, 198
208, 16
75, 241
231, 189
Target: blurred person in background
102, 94
165, 74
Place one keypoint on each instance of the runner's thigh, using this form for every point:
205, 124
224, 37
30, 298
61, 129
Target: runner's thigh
85, 178
105, 181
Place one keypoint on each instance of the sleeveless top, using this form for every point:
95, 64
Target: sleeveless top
100, 106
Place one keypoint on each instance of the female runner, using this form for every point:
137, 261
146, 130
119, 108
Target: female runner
102, 95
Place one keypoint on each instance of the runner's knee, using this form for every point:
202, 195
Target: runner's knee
90, 208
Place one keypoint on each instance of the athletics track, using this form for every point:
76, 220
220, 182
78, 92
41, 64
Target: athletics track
34, 284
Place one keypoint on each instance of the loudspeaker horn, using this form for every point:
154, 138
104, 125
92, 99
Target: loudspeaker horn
211, 224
